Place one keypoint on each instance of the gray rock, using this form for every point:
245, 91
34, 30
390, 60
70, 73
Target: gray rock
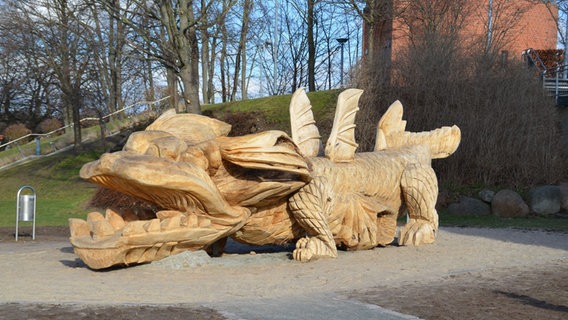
563, 195
486, 195
469, 207
184, 260
544, 200
508, 203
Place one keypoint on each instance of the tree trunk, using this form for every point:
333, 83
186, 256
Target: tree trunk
172, 81
210, 86
241, 49
149, 81
311, 47
194, 105
205, 66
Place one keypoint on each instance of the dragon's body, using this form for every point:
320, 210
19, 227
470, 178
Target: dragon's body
265, 188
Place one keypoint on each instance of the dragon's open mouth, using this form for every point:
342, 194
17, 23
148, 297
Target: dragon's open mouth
185, 208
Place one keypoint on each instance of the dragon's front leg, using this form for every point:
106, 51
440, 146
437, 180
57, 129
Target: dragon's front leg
420, 190
310, 207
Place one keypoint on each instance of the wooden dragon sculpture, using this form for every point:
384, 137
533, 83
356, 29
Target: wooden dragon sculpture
265, 188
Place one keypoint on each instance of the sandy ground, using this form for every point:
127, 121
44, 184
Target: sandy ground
468, 273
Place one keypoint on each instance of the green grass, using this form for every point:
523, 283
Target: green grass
61, 194
531, 222
276, 108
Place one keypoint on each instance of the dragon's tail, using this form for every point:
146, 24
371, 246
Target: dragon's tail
391, 134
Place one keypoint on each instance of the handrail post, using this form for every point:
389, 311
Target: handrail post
557, 84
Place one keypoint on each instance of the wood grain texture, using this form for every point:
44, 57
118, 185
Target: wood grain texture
264, 188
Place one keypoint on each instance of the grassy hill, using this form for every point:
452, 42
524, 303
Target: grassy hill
61, 194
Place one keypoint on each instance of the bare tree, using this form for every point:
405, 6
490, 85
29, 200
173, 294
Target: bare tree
171, 37
109, 32
377, 16
61, 46
240, 57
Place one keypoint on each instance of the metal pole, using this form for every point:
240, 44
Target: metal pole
341, 73
342, 43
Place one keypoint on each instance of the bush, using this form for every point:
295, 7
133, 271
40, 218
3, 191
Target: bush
15, 131
510, 129
49, 125
243, 123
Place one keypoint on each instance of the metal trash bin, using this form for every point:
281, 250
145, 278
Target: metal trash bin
26, 209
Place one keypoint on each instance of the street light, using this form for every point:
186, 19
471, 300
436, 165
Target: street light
342, 43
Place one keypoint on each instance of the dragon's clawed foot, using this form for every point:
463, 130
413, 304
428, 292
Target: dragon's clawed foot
312, 248
417, 232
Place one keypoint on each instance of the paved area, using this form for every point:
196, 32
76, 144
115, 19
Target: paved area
313, 308
45, 277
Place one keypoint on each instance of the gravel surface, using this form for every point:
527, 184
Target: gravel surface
469, 273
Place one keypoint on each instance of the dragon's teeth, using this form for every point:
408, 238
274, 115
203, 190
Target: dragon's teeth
94, 216
78, 228
183, 221
134, 227
101, 229
204, 222
165, 214
115, 219
192, 220
171, 223
152, 225
165, 249
149, 254
135, 255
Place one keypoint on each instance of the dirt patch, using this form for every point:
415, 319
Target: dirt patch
71, 312
516, 293
42, 234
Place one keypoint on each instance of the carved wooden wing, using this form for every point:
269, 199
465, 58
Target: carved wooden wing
304, 130
341, 144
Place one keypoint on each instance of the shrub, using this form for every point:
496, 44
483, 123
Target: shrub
49, 125
243, 123
510, 129
15, 131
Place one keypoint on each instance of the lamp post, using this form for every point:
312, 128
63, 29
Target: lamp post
342, 43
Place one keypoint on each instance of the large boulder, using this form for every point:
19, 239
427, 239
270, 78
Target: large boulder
469, 207
509, 204
544, 200
563, 196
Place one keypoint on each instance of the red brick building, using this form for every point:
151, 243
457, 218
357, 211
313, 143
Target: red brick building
506, 27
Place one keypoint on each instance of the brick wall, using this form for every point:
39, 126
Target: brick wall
518, 25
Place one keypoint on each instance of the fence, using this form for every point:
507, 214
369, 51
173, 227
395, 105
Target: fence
47, 143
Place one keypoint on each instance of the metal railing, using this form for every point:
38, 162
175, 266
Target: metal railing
554, 80
532, 57
555, 83
61, 138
